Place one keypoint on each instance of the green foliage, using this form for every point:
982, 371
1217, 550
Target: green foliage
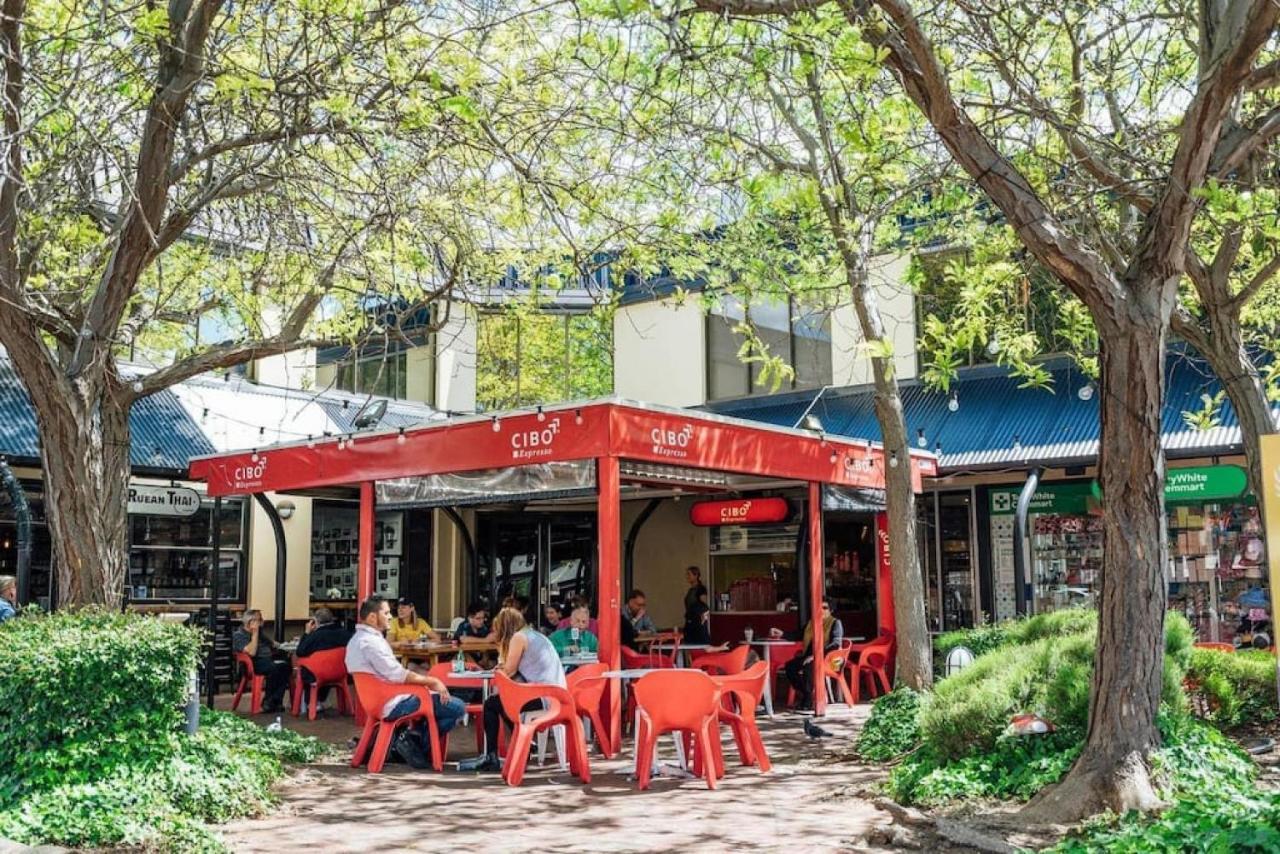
985, 638
1217, 804
86, 693
1239, 686
1045, 666
1013, 767
893, 728
91, 744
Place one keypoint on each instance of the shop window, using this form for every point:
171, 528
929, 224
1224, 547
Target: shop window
385, 375
170, 556
525, 359
335, 553
1218, 572
799, 333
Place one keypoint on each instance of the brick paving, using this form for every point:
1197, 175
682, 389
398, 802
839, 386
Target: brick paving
807, 803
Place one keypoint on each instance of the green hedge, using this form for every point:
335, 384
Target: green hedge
893, 728
91, 745
1240, 686
991, 636
1045, 670
84, 693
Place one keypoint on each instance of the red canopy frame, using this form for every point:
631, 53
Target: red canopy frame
607, 431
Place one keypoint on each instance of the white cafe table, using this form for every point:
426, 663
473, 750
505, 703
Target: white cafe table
683, 648
637, 673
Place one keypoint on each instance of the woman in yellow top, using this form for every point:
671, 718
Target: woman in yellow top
407, 626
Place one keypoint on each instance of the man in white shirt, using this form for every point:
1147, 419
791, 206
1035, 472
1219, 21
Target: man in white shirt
369, 652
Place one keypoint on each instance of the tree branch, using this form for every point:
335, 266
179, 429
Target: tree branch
11, 180
1260, 278
1264, 77
1240, 142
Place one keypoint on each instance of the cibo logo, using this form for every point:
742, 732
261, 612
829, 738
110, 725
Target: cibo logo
529, 444
671, 443
735, 512
250, 472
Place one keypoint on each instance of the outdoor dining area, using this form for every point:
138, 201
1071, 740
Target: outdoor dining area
658, 686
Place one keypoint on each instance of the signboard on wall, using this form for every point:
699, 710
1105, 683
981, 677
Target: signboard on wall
744, 511
1205, 483
1194, 484
1070, 498
163, 500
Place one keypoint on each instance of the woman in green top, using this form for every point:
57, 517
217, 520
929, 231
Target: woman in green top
563, 639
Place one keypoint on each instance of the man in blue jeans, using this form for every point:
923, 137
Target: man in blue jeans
369, 652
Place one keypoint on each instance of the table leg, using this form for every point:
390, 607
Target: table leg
768, 679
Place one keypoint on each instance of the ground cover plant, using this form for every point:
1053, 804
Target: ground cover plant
1236, 687
92, 751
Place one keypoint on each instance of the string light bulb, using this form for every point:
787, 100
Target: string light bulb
921, 441
496, 426
400, 437
577, 416
1085, 392
953, 402
893, 459
542, 416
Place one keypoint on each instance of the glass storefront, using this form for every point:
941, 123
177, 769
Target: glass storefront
944, 529
170, 556
335, 552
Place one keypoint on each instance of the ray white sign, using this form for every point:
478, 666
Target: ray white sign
163, 501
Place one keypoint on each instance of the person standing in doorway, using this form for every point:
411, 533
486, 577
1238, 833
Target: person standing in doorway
697, 613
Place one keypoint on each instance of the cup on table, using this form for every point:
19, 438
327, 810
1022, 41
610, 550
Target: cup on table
775, 633
748, 634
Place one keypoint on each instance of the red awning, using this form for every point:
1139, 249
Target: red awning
591, 430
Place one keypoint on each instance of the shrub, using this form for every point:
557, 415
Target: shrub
224, 772
1239, 686
1048, 674
86, 693
893, 728
1014, 767
988, 638
978, 640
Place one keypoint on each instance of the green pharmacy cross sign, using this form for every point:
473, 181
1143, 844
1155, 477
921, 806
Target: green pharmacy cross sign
1182, 485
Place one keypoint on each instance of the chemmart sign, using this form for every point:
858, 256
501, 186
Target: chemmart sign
1181, 485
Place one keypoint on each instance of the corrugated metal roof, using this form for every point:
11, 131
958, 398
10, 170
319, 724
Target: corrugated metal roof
207, 415
164, 436
999, 425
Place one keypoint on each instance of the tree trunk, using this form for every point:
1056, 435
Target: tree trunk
1224, 350
915, 655
84, 446
1112, 772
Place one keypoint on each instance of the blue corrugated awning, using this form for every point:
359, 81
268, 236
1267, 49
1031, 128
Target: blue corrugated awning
163, 435
999, 425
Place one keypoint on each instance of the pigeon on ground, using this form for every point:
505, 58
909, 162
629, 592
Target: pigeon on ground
813, 730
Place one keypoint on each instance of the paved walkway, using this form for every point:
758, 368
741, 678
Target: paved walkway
805, 804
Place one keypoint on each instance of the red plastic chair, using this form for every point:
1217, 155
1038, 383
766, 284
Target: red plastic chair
1221, 647
835, 664
329, 667
682, 701
444, 672
632, 660
722, 663
586, 686
560, 711
256, 684
872, 664
374, 694
746, 689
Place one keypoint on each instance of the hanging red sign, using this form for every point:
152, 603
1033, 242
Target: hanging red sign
744, 511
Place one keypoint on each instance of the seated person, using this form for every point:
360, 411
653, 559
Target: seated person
636, 618
323, 632
8, 597
407, 626
369, 652
580, 602
551, 617
253, 642
799, 669
563, 639
527, 656
476, 625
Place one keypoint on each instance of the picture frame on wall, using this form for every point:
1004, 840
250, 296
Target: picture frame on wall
382, 575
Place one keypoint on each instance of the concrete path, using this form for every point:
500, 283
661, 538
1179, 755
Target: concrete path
807, 803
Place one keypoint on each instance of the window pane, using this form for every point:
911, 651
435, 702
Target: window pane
772, 322
590, 356
497, 363
726, 373
543, 365
812, 342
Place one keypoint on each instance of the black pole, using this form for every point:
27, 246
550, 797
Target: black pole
282, 555
472, 557
211, 678
1020, 539
22, 518
802, 564
629, 549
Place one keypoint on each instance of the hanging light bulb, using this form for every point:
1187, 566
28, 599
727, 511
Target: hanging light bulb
400, 437
1085, 392
834, 456
254, 455
953, 403
921, 441
542, 416
993, 346
311, 441
577, 416
893, 459
496, 426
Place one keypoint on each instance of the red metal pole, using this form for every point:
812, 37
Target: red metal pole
364, 569
817, 589
609, 581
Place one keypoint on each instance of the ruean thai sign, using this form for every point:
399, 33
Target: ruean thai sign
163, 500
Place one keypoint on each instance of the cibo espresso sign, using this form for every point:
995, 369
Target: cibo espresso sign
163, 501
745, 511
535, 443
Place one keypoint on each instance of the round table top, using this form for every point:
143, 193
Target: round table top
471, 674
684, 645
637, 672
580, 659
769, 642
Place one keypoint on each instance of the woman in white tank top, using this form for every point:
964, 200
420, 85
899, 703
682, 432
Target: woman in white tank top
524, 654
